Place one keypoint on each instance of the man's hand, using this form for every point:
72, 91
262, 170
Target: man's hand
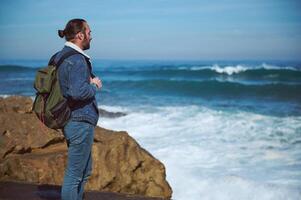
96, 81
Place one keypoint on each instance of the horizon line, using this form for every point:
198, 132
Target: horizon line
165, 59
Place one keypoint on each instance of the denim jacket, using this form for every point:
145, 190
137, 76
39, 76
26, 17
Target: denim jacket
74, 78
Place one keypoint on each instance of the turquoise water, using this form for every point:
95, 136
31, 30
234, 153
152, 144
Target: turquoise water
224, 130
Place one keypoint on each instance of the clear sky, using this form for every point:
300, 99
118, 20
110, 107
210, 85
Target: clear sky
156, 29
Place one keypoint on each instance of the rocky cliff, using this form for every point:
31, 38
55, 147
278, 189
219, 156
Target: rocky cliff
31, 152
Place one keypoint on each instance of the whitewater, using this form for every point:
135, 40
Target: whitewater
211, 154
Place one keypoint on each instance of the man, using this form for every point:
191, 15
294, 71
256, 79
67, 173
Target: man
79, 86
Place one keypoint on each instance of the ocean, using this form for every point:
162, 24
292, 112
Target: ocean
223, 129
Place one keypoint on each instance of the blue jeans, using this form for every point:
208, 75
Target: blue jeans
79, 136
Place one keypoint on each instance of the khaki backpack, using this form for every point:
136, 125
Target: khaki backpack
50, 106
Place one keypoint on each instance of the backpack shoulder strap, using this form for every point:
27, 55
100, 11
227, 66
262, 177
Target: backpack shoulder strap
51, 61
66, 55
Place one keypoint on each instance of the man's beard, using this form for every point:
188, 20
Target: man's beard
86, 43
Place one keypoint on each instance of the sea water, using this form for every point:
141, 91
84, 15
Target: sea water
223, 130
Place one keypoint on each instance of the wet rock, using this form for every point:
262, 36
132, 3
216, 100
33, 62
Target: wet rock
108, 114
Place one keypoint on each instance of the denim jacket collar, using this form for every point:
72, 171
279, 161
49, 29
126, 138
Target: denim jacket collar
75, 47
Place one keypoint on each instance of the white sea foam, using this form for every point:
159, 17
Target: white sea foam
229, 69
235, 69
5, 95
275, 67
9, 95
214, 154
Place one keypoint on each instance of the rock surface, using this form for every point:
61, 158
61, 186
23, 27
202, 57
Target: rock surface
31, 152
107, 114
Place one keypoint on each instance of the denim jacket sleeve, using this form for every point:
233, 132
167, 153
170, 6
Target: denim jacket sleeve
79, 80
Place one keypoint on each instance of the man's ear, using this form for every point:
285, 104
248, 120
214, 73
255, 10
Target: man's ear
80, 36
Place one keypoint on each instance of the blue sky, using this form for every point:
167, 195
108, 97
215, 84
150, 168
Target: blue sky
156, 29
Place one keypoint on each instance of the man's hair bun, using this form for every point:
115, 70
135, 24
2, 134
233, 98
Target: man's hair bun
61, 33
73, 27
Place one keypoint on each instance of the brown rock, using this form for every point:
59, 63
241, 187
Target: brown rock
16, 104
31, 152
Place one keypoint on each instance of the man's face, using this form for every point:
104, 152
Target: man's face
87, 37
